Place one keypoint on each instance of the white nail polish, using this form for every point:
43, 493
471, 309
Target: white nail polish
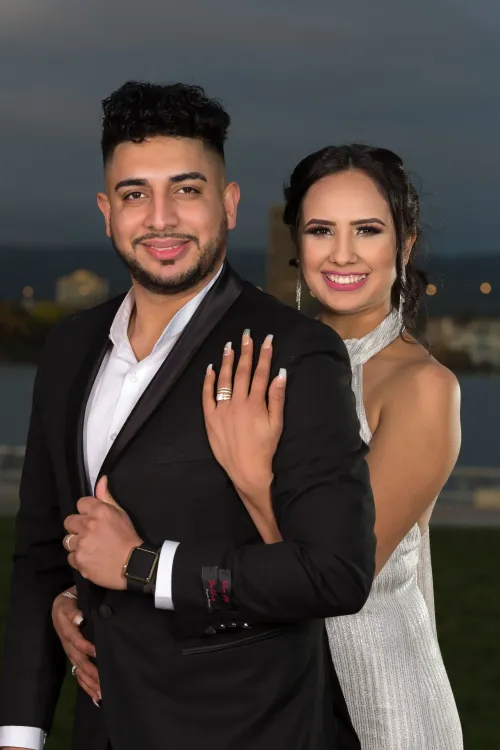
209, 368
268, 341
78, 620
282, 374
228, 348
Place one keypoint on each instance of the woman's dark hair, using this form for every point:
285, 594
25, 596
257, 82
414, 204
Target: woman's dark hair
137, 111
387, 170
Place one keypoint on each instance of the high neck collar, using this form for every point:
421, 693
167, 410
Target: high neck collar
363, 349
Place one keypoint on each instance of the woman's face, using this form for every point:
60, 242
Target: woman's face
347, 243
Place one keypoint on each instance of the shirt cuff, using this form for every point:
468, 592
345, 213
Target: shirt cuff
163, 590
31, 738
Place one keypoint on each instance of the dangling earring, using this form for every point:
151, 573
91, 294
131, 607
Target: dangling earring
403, 281
298, 285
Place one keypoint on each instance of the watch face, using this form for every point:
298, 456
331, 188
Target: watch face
141, 564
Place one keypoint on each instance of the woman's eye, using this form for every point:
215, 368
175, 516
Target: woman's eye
368, 230
321, 231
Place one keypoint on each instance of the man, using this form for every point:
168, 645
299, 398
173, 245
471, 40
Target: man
205, 636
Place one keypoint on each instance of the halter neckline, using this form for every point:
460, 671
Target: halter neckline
363, 349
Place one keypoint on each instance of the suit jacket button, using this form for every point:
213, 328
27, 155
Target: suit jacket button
105, 612
210, 630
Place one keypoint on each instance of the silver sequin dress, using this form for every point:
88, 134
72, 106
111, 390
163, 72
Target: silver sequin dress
387, 656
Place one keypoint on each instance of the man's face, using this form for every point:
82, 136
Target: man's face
167, 210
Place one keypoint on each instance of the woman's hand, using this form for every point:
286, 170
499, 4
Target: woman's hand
67, 619
244, 429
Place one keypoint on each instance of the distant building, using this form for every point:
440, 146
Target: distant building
476, 339
81, 289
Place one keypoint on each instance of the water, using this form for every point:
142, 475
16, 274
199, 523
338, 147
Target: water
480, 413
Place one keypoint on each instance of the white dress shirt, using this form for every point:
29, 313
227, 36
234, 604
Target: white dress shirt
120, 383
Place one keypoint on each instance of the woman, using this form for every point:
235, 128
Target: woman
354, 216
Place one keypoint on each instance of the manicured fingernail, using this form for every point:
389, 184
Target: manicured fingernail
96, 703
209, 369
78, 620
268, 341
227, 348
246, 337
282, 376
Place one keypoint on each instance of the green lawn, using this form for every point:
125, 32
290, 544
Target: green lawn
467, 584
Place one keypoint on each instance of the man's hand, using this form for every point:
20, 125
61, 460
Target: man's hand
103, 539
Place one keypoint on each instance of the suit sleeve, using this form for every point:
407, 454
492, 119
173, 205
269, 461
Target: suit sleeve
33, 663
323, 502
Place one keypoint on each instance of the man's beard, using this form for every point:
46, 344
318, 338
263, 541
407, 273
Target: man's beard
209, 257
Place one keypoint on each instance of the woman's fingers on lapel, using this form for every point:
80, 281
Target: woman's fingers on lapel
208, 398
260, 380
244, 368
225, 379
276, 399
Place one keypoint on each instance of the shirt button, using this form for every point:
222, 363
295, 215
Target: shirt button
133, 378
112, 436
105, 612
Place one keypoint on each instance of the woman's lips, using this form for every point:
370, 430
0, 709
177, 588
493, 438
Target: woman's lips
345, 282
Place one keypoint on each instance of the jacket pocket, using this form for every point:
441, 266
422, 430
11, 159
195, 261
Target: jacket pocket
236, 643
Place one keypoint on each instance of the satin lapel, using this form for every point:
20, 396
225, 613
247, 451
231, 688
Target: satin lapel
94, 349
219, 299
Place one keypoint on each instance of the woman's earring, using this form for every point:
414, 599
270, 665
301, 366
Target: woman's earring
298, 286
403, 282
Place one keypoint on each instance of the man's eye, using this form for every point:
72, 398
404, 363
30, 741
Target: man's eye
188, 190
135, 195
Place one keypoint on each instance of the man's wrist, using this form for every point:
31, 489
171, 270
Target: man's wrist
141, 567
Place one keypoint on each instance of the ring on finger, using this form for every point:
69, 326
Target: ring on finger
224, 394
73, 670
66, 542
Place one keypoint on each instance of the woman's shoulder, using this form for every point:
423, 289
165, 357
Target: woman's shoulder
416, 379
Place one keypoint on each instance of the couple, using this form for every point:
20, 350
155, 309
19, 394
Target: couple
213, 515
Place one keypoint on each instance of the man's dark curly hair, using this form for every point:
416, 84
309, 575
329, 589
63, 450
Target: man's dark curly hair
137, 111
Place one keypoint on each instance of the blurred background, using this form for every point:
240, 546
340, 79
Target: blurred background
418, 78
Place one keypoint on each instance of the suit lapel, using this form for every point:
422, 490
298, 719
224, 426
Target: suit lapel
217, 302
93, 350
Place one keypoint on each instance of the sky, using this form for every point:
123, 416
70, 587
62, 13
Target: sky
420, 78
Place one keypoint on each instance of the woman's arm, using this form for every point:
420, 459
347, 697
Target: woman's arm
413, 451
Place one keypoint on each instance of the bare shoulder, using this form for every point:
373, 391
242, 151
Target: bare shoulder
419, 381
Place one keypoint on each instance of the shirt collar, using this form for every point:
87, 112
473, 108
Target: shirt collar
119, 328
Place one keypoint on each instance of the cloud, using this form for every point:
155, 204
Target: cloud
416, 77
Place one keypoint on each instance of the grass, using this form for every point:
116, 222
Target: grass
467, 581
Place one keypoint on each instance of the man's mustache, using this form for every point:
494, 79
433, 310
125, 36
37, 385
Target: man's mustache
164, 236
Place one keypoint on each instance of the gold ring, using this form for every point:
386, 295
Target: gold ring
224, 394
67, 539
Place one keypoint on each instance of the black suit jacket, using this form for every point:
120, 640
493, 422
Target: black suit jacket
252, 670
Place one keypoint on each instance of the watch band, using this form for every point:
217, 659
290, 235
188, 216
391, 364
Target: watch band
140, 569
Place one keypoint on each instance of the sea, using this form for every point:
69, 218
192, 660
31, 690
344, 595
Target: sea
480, 413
